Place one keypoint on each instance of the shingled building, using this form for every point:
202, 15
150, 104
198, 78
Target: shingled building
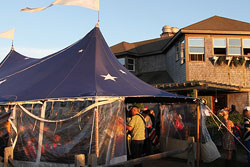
209, 59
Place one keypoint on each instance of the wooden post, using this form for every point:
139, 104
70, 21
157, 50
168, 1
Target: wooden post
40, 139
80, 160
92, 160
8, 153
97, 132
191, 153
195, 92
198, 137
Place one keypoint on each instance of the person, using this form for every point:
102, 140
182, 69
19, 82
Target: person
145, 108
178, 124
152, 116
246, 135
147, 142
137, 127
233, 109
228, 142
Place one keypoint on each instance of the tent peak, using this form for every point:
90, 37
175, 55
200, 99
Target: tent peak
12, 46
97, 24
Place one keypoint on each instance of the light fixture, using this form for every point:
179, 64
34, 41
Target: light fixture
216, 100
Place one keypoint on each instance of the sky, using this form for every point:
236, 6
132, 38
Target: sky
40, 34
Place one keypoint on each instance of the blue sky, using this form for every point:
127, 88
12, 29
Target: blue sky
43, 33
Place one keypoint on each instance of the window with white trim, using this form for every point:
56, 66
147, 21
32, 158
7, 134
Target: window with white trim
234, 46
220, 46
131, 64
246, 47
196, 49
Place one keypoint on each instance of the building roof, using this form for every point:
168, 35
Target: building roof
217, 23
212, 25
140, 48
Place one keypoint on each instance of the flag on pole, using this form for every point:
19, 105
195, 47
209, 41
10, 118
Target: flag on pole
91, 4
8, 34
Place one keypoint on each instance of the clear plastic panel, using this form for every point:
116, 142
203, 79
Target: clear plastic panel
61, 140
178, 121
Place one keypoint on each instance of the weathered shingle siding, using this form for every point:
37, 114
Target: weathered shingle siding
175, 69
198, 70
151, 64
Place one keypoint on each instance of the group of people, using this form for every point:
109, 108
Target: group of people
142, 133
230, 136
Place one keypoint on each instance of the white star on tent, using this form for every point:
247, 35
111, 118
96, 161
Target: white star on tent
123, 72
80, 51
108, 77
2, 81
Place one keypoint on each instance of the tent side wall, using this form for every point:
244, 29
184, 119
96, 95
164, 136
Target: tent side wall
69, 128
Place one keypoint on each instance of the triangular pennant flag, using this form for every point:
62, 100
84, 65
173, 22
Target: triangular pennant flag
31, 10
91, 4
8, 34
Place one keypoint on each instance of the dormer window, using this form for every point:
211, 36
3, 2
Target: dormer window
196, 49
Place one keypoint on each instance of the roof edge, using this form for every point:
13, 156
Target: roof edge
215, 32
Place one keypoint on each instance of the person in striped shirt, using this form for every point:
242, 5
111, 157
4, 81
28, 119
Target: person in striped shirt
246, 136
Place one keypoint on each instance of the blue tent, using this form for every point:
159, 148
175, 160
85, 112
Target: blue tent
87, 68
15, 62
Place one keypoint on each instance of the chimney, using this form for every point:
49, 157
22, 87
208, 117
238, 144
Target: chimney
168, 31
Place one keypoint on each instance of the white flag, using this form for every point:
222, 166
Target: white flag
8, 34
91, 4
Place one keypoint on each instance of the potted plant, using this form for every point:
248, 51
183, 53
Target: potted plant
221, 59
235, 61
242, 60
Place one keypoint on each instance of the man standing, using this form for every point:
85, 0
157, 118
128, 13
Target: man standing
137, 128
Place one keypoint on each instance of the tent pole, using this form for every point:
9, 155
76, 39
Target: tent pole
96, 130
40, 139
195, 91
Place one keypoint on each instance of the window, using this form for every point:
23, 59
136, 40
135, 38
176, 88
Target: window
220, 47
177, 56
131, 64
246, 47
196, 49
234, 47
183, 52
122, 61
196, 57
